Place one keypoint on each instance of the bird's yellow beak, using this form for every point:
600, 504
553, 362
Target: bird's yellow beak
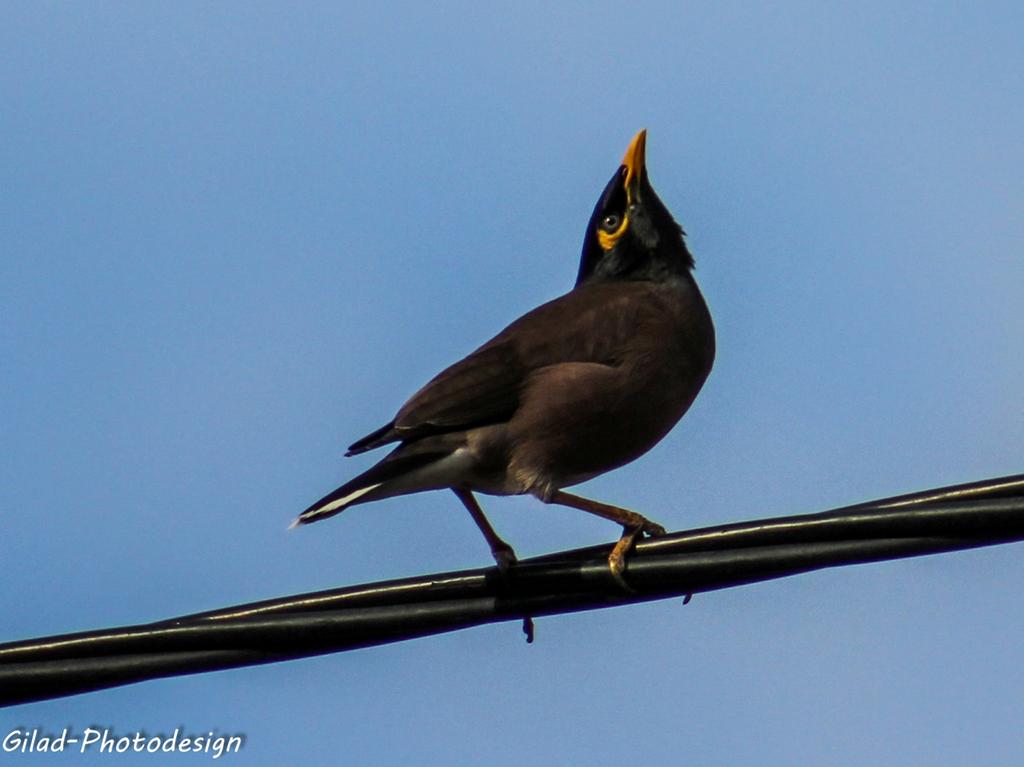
633, 162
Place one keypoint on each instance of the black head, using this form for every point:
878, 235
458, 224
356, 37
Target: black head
631, 235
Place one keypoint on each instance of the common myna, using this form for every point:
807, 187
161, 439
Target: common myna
579, 386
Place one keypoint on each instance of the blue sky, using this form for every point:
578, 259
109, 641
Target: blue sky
234, 238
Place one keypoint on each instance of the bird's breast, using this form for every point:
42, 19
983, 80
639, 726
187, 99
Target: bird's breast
577, 420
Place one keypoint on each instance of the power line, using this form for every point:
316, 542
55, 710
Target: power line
679, 564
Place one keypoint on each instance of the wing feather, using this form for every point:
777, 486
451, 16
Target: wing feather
585, 325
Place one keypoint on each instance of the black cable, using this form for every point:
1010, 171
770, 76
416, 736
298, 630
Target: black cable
947, 519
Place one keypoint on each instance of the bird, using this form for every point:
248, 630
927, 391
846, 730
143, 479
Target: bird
574, 388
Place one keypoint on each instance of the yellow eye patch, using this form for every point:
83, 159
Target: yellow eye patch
608, 239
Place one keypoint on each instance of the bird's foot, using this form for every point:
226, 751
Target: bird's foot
617, 559
651, 529
528, 629
504, 556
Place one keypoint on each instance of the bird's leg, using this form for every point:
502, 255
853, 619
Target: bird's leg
633, 524
624, 517
501, 551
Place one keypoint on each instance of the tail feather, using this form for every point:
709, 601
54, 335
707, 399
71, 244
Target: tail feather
356, 489
382, 436
331, 504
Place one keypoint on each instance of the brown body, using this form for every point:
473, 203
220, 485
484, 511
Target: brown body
576, 412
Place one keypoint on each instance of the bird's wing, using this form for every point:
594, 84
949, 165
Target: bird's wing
485, 387
481, 388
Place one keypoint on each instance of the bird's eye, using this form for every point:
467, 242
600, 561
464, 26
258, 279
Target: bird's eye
611, 222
